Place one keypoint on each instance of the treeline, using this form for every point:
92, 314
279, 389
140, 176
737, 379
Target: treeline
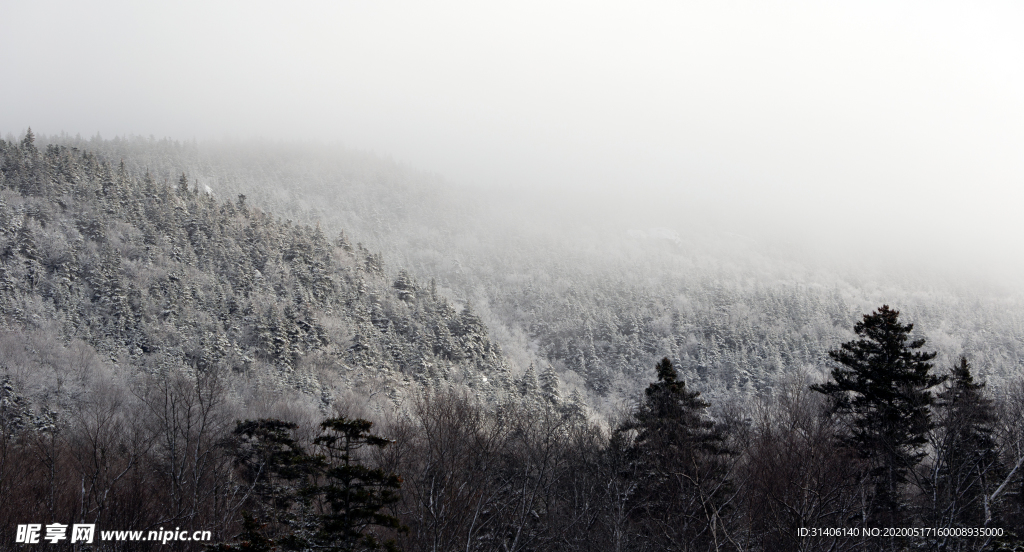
888, 444
453, 472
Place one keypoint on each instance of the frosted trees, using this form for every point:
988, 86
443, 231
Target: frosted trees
548, 380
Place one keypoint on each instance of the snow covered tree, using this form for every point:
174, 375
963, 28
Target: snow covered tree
527, 384
182, 188
548, 380
14, 413
405, 286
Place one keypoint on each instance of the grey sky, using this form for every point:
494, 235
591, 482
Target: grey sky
814, 116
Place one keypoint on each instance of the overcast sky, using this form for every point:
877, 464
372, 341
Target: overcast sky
819, 117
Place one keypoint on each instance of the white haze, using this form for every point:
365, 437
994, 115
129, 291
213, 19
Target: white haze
882, 127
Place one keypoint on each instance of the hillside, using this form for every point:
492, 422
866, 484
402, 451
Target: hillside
572, 283
157, 275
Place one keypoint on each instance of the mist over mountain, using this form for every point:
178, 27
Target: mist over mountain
837, 125
501, 345
534, 276
599, 293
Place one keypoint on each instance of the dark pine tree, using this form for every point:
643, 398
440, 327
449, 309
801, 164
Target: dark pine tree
29, 141
967, 466
681, 458
352, 496
327, 501
881, 390
277, 469
183, 185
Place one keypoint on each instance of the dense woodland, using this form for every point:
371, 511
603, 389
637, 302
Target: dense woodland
176, 354
598, 298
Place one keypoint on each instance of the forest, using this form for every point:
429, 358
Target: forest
598, 295
383, 369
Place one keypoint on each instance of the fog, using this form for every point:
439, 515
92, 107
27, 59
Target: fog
882, 127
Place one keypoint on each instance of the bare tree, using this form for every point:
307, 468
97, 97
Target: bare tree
187, 418
797, 473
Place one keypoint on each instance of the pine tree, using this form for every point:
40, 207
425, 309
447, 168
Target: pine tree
880, 388
681, 456
405, 286
527, 384
277, 468
327, 501
251, 539
14, 412
182, 186
967, 462
575, 409
353, 495
548, 380
29, 141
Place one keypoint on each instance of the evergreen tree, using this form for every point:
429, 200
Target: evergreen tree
548, 380
183, 185
251, 539
277, 468
575, 409
967, 465
527, 384
352, 495
328, 501
14, 412
405, 286
681, 455
880, 388
29, 141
